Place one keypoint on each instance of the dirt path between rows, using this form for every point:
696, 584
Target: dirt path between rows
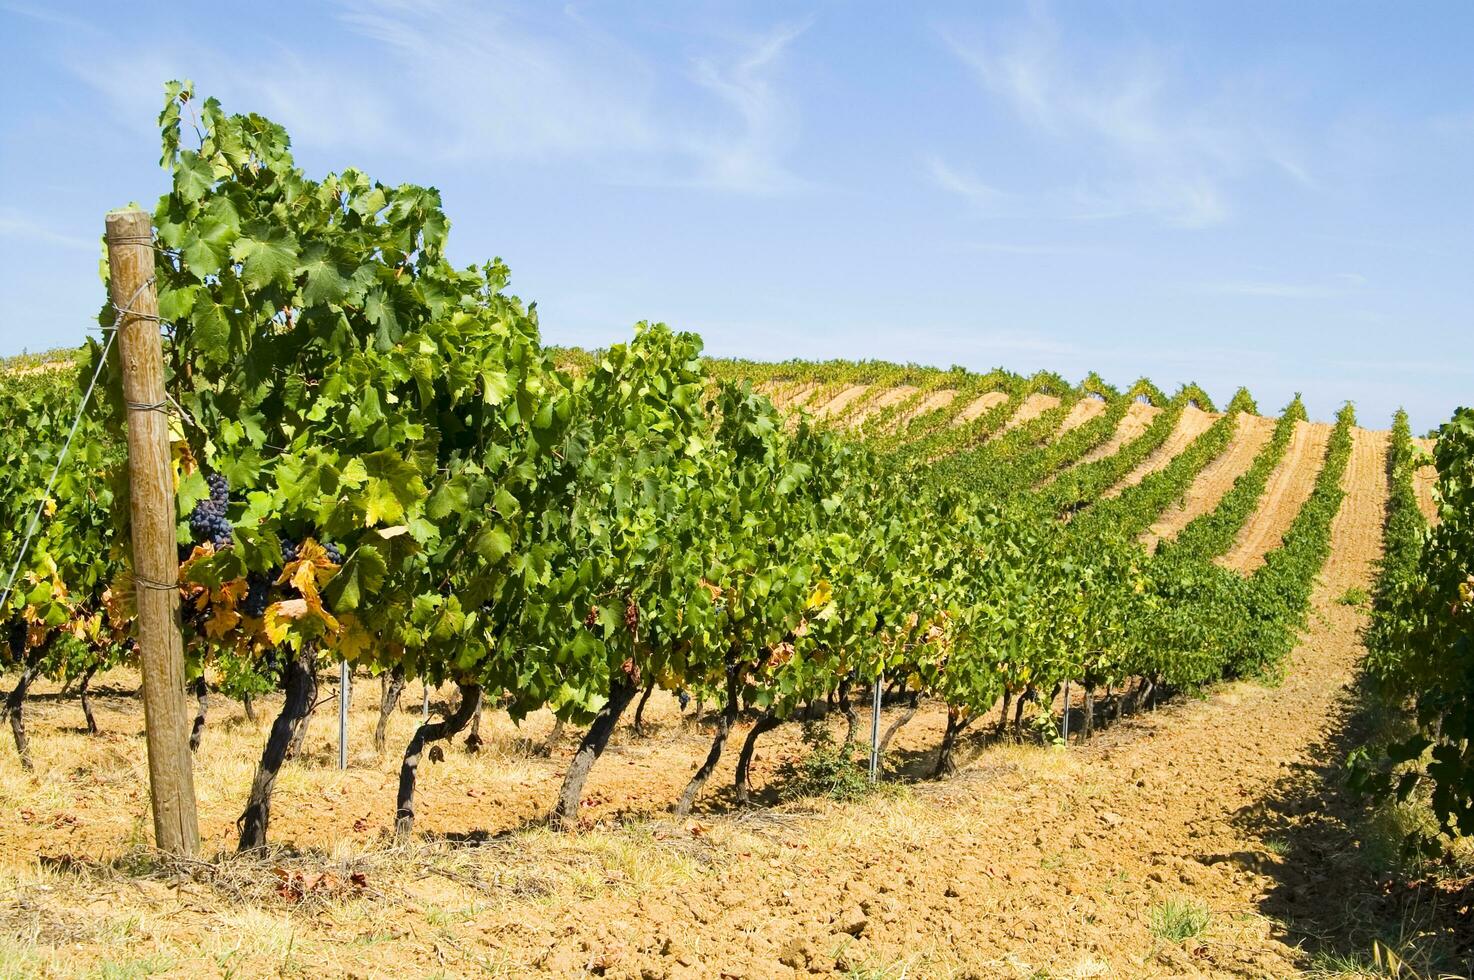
1033, 407
1085, 409
933, 401
1289, 486
1216, 479
1193, 423
1136, 421
1425, 478
882, 401
836, 405
979, 405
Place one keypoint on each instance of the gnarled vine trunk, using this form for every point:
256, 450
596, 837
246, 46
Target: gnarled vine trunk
956, 724
392, 689
299, 735
299, 675
430, 731
1018, 713
550, 744
202, 704
851, 716
86, 701
724, 728
15, 703
640, 709
473, 740
766, 723
895, 726
249, 704
621, 692
1089, 713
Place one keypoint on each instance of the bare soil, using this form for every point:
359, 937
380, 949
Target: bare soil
1084, 410
1289, 486
842, 401
1033, 406
1216, 479
1425, 478
931, 402
882, 401
1193, 423
1131, 426
981, 405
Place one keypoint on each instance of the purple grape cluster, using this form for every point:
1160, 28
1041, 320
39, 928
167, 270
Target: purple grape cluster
258, 596
209, 521
292, 550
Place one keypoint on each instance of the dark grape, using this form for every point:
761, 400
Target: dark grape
334, 555
288, 551
208, 522
257, 596
683, 698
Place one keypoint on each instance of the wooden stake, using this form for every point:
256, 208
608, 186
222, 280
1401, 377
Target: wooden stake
155, 559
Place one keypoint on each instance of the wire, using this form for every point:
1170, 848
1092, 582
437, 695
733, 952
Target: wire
112, 332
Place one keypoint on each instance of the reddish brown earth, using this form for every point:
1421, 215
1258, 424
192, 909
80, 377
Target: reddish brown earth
1083, 411
1289, 486
1132, 425
1033, 406
1216, 479
980, 405
1193, 423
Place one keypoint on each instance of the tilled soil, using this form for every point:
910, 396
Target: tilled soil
1289, 486
980, 405
932, 402
1193, 423
840, 402
1215, 480
1425, 478
882, 401
1136, 420
1033, 407
1084, 410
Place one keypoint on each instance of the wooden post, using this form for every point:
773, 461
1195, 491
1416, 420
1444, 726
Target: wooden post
155, 559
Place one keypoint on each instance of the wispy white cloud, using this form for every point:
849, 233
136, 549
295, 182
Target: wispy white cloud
1028, 248
751, 158
1413, 366
487, 84
464, 82
1336, 285
27, 229
1150, 143
981, 196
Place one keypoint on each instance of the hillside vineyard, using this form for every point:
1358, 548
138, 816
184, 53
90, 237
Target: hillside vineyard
379, 462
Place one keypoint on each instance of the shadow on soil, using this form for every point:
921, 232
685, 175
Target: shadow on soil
1337, 893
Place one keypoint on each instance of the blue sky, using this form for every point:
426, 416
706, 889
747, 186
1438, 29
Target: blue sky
1270, 194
